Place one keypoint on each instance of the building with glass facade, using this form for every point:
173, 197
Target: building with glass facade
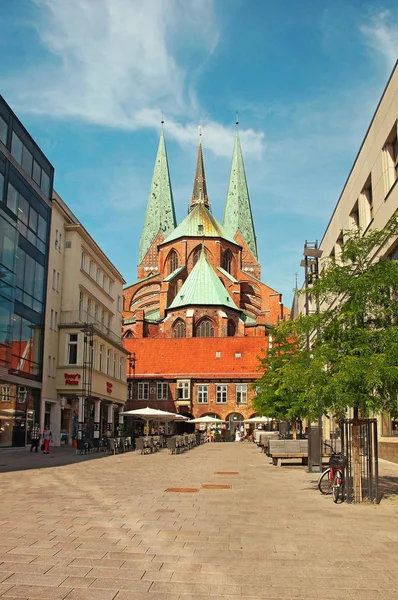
26, 179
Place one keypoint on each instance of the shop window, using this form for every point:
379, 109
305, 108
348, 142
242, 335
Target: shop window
162, 391
179, 330
221, 394
72, 348
183, 389
205, 329
241, 394
203, 394
143, 391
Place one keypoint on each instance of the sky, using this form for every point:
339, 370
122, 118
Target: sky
91, 80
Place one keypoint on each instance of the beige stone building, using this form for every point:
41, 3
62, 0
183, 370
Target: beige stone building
368, 200
84, 365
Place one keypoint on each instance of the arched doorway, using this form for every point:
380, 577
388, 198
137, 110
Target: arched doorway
234, 423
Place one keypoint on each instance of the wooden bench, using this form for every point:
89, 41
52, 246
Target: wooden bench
278, 449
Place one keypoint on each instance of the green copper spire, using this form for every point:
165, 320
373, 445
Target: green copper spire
160, 213
203, 288
237, 211
199, 193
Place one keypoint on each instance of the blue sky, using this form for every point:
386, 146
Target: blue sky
92, 79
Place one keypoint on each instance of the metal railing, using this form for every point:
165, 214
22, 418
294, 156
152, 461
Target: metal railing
77, 317
359, 446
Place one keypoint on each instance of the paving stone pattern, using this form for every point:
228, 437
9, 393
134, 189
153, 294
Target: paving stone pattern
106, 529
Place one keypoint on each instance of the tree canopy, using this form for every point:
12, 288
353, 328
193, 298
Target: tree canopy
346, 355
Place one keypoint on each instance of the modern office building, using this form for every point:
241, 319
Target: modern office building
84, 369
26, 179
368, 200
199, 315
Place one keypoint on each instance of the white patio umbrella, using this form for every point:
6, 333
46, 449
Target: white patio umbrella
206, 419
153, 414
258, 420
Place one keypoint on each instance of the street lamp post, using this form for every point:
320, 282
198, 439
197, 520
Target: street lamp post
312, 254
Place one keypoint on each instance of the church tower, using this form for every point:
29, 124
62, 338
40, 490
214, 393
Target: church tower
160, 219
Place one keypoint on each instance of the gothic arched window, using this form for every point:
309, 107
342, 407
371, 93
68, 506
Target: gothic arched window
179, 330
227, 261
231, 329
196, 255
173, 261
205, 329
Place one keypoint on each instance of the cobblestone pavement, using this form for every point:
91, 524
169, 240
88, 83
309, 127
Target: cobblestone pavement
106, 529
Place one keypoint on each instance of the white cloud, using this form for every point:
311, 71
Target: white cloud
126, 64
381, 34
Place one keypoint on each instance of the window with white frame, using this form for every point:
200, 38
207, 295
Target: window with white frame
54, 286
183, 389
50, 366
114, 364
55, 319
203, 394
5, 393
60, 242
143, 391
221, 394
108, 361
101, 358
162, 391
54, 368
22, 393
58, 282
89, 306
119, 303
120, 368
52, 319
83, 261
241, 393
72, 348
56, 243
98, 275
81, 305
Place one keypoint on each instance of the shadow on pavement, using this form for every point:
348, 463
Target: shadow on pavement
22, 459
388, 486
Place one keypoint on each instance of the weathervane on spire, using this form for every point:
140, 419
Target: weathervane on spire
200, 131
237, 119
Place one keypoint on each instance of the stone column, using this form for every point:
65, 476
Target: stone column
97, 412
80, 420
121, 420
110, 419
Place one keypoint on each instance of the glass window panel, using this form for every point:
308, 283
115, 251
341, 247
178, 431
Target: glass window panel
18, 295
23, 209
32, 237
27, 300
41, 246
45, 183
39, 282
12, 198
3, 131
29, 275
36, 172
23, 230
16, 328
16, 147
8, 245
33, 219
6, 307
1, 187
37, 306
27, 160
42, 229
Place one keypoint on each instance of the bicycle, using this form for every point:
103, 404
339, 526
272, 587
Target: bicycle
332, 479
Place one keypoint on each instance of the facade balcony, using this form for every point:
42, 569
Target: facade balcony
183, 403
81, 318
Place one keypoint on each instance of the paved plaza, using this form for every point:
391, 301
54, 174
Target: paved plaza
107, 529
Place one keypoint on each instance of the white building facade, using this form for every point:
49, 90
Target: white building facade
84, 366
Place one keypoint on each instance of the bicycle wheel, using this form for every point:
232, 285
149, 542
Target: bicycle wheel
338, 487
325, 483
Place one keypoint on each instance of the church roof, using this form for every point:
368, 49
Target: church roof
237, 211
160, 213
199, 223
203, 288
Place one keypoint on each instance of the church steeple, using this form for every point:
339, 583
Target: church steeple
237, 211
199, 194
160, 214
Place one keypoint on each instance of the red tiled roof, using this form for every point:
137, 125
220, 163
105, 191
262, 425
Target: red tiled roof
191, 357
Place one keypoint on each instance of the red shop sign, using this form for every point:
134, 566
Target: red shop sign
108, 387
72, 378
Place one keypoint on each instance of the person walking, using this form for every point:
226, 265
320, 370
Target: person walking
46, 440
35, 437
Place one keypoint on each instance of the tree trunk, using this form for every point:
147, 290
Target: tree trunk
294, 429
356, 458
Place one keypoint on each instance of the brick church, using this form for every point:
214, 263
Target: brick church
198, 315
